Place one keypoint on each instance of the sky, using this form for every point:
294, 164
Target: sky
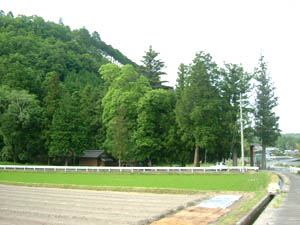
232, 31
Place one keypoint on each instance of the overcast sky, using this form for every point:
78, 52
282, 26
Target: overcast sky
234, 31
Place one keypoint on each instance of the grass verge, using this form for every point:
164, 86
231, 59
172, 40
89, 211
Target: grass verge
242, 210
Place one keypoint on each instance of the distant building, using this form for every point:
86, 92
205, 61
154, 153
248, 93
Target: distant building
96, 158
256, 153
291, 152
272, 150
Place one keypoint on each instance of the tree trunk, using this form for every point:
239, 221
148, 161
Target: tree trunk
73, 157
251, 155
234, 157
182, 164
66, 162
196, 157
263, 158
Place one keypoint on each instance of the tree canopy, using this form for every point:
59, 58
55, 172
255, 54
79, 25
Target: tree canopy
63, 91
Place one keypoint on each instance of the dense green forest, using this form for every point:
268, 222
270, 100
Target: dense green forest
63, 91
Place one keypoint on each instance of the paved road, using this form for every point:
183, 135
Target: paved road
32, 205
288, 211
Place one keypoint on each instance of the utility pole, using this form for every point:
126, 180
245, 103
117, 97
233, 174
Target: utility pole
242, 132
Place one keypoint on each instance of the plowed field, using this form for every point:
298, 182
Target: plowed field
33, 205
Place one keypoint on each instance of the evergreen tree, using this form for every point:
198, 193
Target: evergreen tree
235, 81
182, 109
91, 109
197, 108
266, 122
53, 92
68, 129
152, 68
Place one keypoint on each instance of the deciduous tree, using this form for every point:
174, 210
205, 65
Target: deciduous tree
20, 124
155, 116
120, 108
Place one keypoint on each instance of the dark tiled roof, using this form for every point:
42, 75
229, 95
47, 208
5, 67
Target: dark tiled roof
92, 153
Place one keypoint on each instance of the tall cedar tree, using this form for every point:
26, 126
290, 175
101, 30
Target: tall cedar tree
152, 68
197, 107
68, 129
266, 122
183, 107
235, 81
53, 92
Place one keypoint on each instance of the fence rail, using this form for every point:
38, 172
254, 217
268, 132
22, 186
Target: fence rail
294, 169
126, 169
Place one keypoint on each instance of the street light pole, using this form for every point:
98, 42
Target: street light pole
242, 132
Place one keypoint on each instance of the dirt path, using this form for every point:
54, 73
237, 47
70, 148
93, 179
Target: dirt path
32, 205
193, 216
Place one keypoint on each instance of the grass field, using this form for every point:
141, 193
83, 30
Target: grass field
248, 182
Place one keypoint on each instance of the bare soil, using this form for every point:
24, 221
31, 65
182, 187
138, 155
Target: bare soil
193, 216
202, 216
34, 205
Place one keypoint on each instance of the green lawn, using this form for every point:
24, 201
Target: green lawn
247, 182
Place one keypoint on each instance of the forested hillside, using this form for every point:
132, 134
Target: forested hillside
43, 64
63, 91
288, 141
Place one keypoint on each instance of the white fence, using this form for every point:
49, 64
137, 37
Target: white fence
294, 169
126, 169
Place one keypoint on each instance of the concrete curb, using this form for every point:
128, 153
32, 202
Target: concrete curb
269, 214
254, 213
286, 182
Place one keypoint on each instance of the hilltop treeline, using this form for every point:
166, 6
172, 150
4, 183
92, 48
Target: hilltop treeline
63, 91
